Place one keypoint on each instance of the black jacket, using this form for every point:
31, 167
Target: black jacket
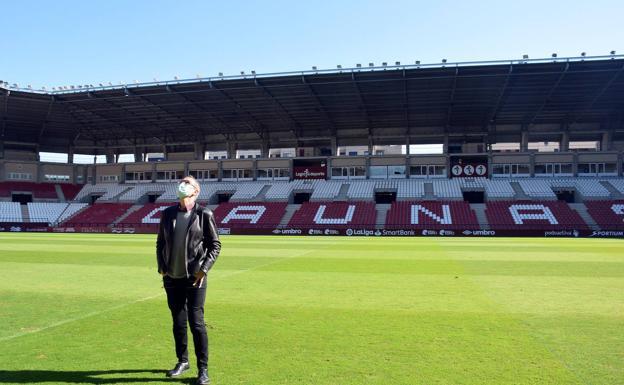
202, 240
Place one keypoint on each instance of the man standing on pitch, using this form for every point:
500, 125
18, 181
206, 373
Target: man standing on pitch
186, 248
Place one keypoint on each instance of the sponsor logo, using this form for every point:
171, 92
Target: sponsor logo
291, 231
224, 231
377, 233
429, 232
394, 233
363, 232
16, 229
479, 232
129, 230
315, 232
116, 230
331, 232
447, 232
277, 231
561, 233
37, 229
607, 234
309, 174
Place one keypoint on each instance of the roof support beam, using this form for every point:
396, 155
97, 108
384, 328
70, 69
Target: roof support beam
492, 116
451, 99
291, 121
573, 118
256, 126
362, 108
224, 128
328, 120
550, 93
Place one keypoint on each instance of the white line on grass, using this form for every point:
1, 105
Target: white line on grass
116, 307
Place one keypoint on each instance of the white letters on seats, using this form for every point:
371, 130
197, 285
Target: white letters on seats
618, 209
318, 218
254, 214
445, 219
149, 218
519, 217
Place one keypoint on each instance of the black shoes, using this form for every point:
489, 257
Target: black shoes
202, 377
180, 368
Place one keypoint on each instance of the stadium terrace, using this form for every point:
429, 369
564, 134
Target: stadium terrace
517, 147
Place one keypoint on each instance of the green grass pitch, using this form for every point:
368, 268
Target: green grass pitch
90, 308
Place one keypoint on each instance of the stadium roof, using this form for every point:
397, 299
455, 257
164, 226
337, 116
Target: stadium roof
475, 100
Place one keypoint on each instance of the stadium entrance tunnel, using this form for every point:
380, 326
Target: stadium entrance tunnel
474, 196
385, 197
567, 196
21, 198
223, 197
302, 197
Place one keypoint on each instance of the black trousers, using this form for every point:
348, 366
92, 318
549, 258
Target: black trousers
187, 305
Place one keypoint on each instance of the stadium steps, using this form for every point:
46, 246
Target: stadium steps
615, 194
581, 209
479, 210
342, 194
382, 213
132, 209
59, 192
290, 211
25, 214
429, 195
520, 194
261, 197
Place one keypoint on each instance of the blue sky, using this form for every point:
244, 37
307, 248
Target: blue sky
62, 42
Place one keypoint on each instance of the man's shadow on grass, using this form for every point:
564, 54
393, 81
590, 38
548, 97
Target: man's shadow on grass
86, 376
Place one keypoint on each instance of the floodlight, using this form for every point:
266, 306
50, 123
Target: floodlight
525, 56
220, 73
612, 52
397, 63
358, 65
371, 64
583, 54
443, 60
554, 55
314, 68
338, 66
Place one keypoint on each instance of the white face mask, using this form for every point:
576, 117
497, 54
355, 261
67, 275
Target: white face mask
185, 190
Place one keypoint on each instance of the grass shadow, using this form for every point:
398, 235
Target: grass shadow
86, 376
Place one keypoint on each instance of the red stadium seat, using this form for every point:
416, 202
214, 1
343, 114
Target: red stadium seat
335, 215
455, 215
38, 190
101, 214
250, 214
531, 215
609, 215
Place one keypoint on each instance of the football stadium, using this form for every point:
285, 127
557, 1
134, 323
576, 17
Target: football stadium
381, 223
346, 258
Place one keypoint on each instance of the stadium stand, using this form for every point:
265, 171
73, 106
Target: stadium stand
10, 212
45, 212
609, 215
148, 214
447, 189
537, 188
451, 215
38, 190
252, 214
108, 191
70, 190
334, 215
102, 214
524, 215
